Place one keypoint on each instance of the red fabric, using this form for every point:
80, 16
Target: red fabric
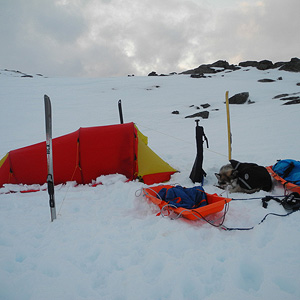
5, 175
81, 156
107, 150
157, 177
28, 164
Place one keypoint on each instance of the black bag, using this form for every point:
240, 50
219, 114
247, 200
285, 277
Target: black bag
197, 172
290, 202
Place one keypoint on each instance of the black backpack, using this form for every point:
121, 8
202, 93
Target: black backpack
290, 202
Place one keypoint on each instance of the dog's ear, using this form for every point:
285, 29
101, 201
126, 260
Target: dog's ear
218, 176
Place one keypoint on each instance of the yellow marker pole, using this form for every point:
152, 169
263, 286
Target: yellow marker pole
228, 126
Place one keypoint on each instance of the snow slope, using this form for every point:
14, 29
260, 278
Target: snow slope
107, 242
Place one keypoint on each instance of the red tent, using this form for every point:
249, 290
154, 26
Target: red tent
86, 154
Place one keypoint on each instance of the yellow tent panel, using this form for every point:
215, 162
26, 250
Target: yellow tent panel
149, 162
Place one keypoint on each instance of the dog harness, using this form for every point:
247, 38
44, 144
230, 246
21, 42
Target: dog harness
251, 176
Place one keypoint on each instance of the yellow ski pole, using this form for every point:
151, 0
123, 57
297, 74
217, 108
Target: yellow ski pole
228, 127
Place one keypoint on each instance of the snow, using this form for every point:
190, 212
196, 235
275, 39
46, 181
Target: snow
107, 242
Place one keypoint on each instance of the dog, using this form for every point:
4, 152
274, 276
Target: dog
247, 178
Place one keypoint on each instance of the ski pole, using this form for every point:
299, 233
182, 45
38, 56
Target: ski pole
228, 127
120, 111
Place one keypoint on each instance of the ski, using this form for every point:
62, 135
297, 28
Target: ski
50, 179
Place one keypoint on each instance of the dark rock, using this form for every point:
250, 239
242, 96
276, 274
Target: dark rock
201, 70
290, 98
223, 64
292, 102
265, 65
291, 66
298, 83
249, 63
280, 96
240, 98
202, 114
209, 68
220, 64
152, 74
198, 76
206, 105
27, 76
278, 64
266, 80
279, 78
261, 65
175, 112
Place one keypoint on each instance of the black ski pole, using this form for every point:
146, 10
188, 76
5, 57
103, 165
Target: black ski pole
120, 111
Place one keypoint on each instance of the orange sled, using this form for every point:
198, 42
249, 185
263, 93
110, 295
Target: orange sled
288, 186
215, 203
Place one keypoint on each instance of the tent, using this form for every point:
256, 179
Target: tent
86, 154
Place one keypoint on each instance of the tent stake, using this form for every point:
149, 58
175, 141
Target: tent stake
228, 127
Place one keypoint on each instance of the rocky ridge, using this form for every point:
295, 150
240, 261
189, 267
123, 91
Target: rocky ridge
222, 65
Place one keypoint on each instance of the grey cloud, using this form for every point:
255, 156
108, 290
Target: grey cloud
119, 37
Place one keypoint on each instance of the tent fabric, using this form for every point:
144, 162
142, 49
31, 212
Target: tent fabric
86, 154
151, 168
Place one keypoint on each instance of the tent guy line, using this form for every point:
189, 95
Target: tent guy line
182, 140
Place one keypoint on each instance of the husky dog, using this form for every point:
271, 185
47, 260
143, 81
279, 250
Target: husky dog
244, 178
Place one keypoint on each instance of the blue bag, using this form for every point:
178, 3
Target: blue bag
179, 196
289, 170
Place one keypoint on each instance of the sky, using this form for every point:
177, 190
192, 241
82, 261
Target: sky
108, 38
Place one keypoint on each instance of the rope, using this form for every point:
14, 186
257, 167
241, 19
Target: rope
221, 225
211, 222
77, 166
176, 138
254, 198
250, 228
195, 213
65, 196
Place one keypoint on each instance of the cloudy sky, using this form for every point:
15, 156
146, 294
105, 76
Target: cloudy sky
120, 37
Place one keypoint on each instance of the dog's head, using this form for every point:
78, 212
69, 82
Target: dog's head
226, 175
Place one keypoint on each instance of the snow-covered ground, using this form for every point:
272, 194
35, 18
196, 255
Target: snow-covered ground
107, 242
